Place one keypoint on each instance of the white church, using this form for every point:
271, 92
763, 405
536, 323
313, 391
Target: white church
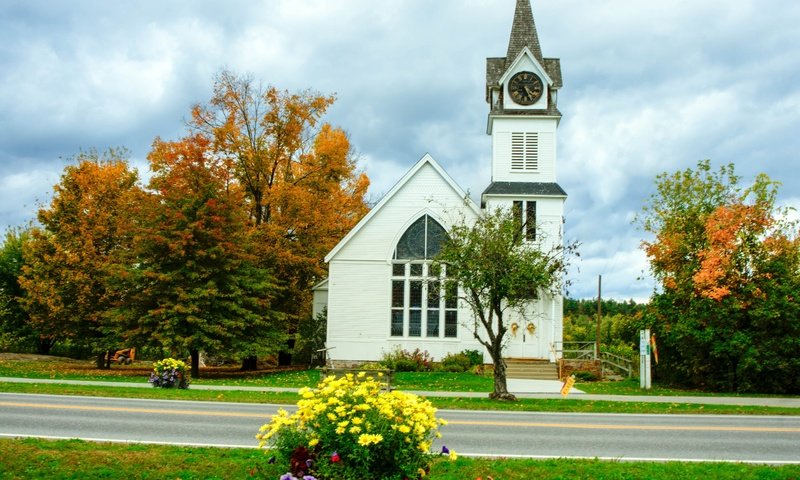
381, 292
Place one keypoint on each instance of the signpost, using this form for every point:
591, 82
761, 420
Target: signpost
644, 359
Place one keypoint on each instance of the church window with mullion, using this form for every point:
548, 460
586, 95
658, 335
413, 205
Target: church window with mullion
423, 303
525, 212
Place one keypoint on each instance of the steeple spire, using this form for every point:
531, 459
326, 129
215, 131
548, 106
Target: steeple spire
523, 34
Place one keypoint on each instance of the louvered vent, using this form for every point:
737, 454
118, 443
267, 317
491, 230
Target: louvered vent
524, 151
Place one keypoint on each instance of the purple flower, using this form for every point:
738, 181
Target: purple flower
309, 463
288, 476
445, 450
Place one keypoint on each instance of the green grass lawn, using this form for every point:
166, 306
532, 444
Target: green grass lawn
631, 387
74, 459
484, 403
58, 368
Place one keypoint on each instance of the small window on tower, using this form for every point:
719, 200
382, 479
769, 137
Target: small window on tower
524, 151
525, 214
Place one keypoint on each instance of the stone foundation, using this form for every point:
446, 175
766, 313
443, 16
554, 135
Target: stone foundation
566, 366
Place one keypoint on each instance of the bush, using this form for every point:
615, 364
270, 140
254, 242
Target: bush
455, 362
347, 428
169, 373
585, 376
401, 360
475, 357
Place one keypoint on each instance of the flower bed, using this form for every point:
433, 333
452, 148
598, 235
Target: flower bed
349, 428
169, 373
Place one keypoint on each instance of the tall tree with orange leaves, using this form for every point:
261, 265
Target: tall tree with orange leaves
728, 263
303, 192
70, 257
193, 283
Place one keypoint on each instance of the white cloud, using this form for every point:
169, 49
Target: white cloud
649, 87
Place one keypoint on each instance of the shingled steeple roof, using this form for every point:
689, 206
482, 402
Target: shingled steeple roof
523, 34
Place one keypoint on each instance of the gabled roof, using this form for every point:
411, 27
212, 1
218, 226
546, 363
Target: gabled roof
425, 160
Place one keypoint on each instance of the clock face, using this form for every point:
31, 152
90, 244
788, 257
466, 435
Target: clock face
525, 88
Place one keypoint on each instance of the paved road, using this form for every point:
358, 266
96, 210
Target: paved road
730, 438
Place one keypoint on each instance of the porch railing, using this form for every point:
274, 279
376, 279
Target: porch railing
588, 351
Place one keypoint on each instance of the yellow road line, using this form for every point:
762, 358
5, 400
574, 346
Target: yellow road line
591, 426
133, 410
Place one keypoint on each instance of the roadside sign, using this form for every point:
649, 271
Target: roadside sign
568, 383
644, 358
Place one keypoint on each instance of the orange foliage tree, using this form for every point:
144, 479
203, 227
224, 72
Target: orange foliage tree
192, 283
70, 257
303, 192
728, 261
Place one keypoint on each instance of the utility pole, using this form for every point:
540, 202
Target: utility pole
599, 313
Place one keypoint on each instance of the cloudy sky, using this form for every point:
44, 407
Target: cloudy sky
648, 87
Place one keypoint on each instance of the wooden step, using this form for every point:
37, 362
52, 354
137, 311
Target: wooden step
531, 369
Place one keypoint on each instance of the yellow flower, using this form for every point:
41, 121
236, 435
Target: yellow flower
453, 455
313, 442
365, 439
421, 473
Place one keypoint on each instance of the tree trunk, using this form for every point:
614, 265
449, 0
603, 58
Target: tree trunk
250, 363
500, 387
195, 362
43, 345
100, 361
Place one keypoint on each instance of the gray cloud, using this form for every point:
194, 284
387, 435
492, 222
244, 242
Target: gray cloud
648, 87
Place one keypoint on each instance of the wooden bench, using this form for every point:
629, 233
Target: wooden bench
383, 376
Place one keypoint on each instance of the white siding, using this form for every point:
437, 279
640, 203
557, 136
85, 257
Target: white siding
549, 216
359, 288
502, 170
426, 192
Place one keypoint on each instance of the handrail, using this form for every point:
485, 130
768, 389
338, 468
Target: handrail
588, 351
613, 360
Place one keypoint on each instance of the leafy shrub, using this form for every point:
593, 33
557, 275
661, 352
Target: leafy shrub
585, 376
401, 360
348, 428
455, 362
169, 373
475, 357
622, 350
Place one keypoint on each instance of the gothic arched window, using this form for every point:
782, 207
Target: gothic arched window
422, 302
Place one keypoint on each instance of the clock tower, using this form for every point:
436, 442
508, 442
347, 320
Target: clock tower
522, 93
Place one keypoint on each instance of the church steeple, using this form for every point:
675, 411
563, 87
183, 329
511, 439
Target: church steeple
499, 71
523, 34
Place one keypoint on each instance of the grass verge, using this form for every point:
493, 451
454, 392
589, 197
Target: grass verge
532, 405
71, 459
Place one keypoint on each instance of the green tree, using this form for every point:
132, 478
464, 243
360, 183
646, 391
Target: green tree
193, 283
68, 260
727, 262
497, 270
13, 319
